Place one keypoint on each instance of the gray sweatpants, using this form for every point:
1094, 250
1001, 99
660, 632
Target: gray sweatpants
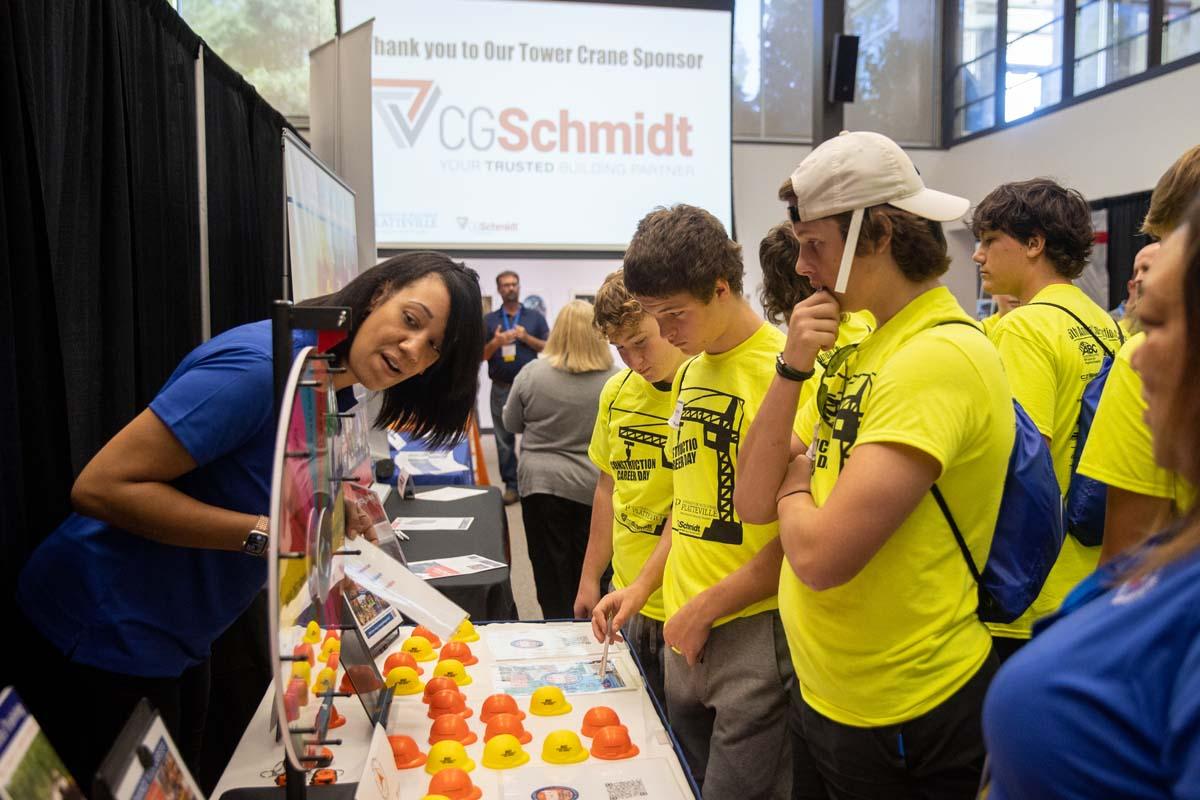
730, 711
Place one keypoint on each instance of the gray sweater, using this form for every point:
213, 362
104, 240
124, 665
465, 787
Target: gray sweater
556, 411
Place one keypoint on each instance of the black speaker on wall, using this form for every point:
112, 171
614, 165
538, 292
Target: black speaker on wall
843, 68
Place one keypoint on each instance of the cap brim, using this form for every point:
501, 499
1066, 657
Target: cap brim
935, 205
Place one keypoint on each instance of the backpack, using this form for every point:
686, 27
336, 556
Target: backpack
1084, 504
1029, 528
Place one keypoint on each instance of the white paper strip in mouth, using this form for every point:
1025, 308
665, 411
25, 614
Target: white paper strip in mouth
843, 277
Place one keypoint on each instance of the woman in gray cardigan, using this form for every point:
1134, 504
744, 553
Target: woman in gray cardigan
553, 403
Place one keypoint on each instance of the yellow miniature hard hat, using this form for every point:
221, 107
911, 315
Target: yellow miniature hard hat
404, 680
465, 633
324, 681
419, 648
548, 701
330, 647
447, 754
312, 633
563, 747
301, 669
504, 752
452, 668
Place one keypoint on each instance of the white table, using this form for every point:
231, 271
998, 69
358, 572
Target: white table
656, 767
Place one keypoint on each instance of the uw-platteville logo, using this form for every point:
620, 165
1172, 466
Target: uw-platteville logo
405, 105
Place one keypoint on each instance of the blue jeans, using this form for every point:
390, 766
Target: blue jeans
506, 440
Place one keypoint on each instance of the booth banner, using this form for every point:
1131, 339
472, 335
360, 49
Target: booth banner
322, 241
544, 124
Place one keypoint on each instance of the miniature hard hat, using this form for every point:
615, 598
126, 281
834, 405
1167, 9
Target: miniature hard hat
448, 701
452, 668
336, 720
465, 633
504, 752
454, 784
507, 723
437, 796
305, 651
438, 684
401, 659
613, 743
548, 701
406, 752
312, 633
445, 755
334, 660
563, 747
324, 681
332, 634
419, 648
302, 670
598, 717
451, 727
499, 704
459, 651
427, 635
360, 678
404, 680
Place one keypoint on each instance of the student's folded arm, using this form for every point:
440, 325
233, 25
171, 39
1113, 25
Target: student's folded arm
875, 493
764, 455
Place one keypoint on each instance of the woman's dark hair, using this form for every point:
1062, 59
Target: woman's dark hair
436, 404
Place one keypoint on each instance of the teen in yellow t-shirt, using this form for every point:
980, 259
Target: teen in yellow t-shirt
632, 503
878, 601
1119, 452
727, 675
1051, 346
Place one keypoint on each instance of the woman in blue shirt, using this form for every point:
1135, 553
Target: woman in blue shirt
1105, 701
127, 595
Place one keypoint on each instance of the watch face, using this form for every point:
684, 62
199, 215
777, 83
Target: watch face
255, 544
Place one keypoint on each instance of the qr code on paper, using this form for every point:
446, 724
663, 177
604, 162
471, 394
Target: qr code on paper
626, 790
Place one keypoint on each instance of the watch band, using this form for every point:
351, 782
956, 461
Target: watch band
788, 372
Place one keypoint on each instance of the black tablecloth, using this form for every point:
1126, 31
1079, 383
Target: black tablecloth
484, 595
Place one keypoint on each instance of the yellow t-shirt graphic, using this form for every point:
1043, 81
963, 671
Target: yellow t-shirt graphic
715, 398
629, 443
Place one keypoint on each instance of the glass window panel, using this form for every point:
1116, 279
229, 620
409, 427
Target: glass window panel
896, 63
1033, 56
975, 80
1181, 29
772, 69
978, 116
977, 29
237, 30
1111, 42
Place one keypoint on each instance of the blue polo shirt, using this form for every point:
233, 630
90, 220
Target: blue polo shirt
499, 370
126, 604
1105, 701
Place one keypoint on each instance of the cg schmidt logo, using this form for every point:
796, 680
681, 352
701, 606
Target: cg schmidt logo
405, 106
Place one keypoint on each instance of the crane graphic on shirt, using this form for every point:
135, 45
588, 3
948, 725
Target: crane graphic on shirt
847, 418
651, 433
720, 417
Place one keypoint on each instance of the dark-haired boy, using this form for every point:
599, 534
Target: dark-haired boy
1034, 237
728, 676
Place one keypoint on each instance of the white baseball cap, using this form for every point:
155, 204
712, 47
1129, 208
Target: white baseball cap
863, 169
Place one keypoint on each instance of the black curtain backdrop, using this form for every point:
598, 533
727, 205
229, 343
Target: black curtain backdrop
98, 242
1125, 239
245, 197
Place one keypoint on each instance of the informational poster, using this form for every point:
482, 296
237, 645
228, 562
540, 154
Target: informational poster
322, 242
546, 125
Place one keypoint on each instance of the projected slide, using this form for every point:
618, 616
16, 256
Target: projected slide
543, 125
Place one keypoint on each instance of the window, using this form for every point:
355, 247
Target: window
974, 87
1111, 42
1033, 56
897, 65
267, 41
1181, 29
772, 69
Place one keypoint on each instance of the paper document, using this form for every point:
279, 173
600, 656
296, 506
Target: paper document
377, 572
578, 676
639, 779
448, 493
428, 463
456, 565
432, 523
513, 643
